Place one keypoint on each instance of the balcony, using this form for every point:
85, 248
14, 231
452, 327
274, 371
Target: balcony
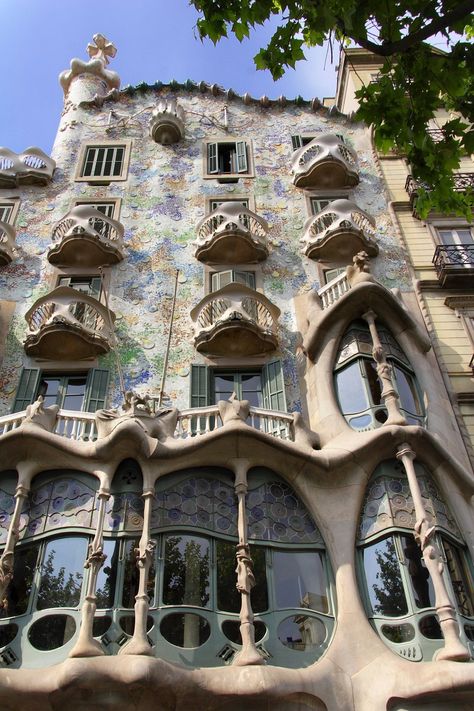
167, 122
32, 167
332, 292
235, 321
339, 231
86, 237
7, 243
462, 182
68, 325
325, 163
454, 265
231, 234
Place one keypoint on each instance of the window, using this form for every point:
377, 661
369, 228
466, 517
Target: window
298, 141
319, 203
79, 391
8, 211
229, 276
90, 285
358, 387
107, 207
456, 236
398, 590
330, 274
229, 159
215, 203
104, 162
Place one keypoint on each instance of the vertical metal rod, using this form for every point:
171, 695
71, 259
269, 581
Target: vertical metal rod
168, 345
112, 331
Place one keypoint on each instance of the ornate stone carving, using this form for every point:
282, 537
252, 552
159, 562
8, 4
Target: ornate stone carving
44, 417
167, 122
359, 270
160, 424
32, 167
303, 435
233, 410
95, 80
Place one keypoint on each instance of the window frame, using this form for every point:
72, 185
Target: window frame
116, 204
96, 387
231, 176
14, 205
103, 179
232, 198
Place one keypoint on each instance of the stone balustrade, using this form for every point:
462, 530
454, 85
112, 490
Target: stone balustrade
331, 292
7, 243
231, 234
338, 231
325, 162
86, 237
32, 167
68, 325
235, 320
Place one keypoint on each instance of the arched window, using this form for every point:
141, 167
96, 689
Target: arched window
397, 588
358, 386
194, 603
45, 593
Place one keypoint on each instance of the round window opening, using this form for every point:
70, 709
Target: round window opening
185, 630
302, 633
231, 629
51, 632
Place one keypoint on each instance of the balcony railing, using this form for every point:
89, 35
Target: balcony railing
325, 162
454, 265
235, 321
330, 293
231, 234
86, 237
462, 182
32, 167
7, 243
68, 325
340, 230
195, 422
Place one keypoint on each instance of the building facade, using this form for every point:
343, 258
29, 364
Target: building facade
237, 457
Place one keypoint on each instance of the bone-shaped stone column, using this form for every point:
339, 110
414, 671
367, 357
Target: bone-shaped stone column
244, 570
86, 645
453, 649
7, 558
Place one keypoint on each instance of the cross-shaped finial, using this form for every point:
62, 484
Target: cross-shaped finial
103, 49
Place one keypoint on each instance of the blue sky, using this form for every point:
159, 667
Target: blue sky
156, 40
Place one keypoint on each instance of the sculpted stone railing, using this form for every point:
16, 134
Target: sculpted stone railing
167, 122
341, 229
231, 234
235, 320
332, 291
32, 167
7, 243
358, 271
87, 237
325, 162
68, 325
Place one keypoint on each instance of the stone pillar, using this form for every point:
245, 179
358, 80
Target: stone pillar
453, 649
384, 371
139, 644
8, 555
244, 570
86, 645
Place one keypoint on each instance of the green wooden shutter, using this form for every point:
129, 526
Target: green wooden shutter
273, 386
96, 389
199, 393
212, 163
27, 389
296, 142
241, 150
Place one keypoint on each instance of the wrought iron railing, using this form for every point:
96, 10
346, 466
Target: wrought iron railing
453, 256
462, 182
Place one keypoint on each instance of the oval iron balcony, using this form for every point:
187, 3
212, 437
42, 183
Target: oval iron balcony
235, 321
7, 243
167, 122
68, 325
32, 167
86, 237
325, 162
231, 234
340, 230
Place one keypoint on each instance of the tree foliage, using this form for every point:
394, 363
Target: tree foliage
415, 81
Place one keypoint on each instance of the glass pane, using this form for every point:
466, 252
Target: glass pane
351, 389
186, 630
429, 627
62, 572
75, 389
49, 389
301, 633
407, 391
131, 575
8, 633
107, 578
51, 632
101, 625
420, 578
224, 386
384, 583
300, 580
461, 578
251, 388
375, 386
18, 592
231, 629
228, 597
399, 633
186, 575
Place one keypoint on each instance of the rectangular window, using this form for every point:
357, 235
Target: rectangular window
319, 203
228, 159
456, 236
229, 276
106, 207
104, 162
214, 204
330, 274
298, 140
8, 211
90, 285
80, 391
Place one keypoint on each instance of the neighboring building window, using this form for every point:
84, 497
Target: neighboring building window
397, 583
456, 236
221, 279
358, 387
228, 159
104, 162
77, 391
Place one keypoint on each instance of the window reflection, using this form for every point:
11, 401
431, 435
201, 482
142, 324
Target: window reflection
18, 592
131, 575
420, 578
62, 572
384, 583
186, 573
300, 580
107, 577
461, 578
